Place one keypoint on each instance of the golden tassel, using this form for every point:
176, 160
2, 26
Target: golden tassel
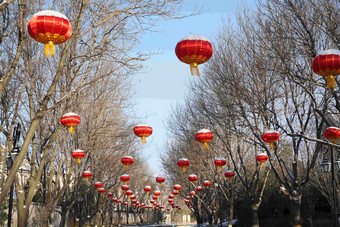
262, 163
78, 160
49, 49
143, 140
194, 69
126, 166
229, 180
183, 169
334, 141
331, 81
220, 168
272, 146
87, 179
71, 129
205, 145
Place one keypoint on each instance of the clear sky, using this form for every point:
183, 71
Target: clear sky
165, 80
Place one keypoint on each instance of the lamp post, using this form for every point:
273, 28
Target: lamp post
80, 200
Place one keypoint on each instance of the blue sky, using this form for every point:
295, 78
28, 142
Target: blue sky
165, 80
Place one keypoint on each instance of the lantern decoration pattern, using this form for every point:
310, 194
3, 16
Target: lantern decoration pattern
262, 157
332, 134
125, 178
125, 188
192, 193
50, 28
199, 188
127, 161
183, 163
192, 178
220, 162
70, 120
157, 193
109, 194
152, 201
147, 189
207, 183
229, 174
271, 137
78, 154
142, 131
98, 184
101, 190
194, 50
327, 64
160, 180
204, 136
87, 174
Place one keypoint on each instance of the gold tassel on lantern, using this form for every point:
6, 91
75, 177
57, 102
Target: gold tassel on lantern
205, 145
78, 160
220, 168
87, 179
126, 166
272, 146
262, 163
71, 129
194, 69
143, 140
331, 81
183, 169
49, 49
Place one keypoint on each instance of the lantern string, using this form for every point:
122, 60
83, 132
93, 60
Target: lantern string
330, 81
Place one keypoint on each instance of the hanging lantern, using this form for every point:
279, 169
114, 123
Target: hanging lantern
262, 157
137, 203
206, 183
133, 201
101, 190
78, 154
127, 161
194, 50
147, 189
229, 174
132, 197
50, 28
171, 196
115, 200
160, 180
199, 188
271, 137
154, 197
183, 163
157, 205
70, 120
175, 192
157, 193
109, 194
179, 208
162, 207
204, 136
332, 134
125, 178
142, 204
192, 178
142, 131
87, 174
125, 188
192, 193
187, 201
98, 184
152, 201
220, 162
327, 64
126, 203
118, 201
168, 209
188, 197
170, 200
177, 187
129, 193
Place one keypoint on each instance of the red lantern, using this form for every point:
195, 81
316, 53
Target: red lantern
127, 161
132, 197
271, 137
125, 188
118, 201
101, 190
142, 205
206, 183
78, 154
204, 136
332, 134
177, 187
327, 64
170, 200
70, 120
175, 192
199, 188
49, 27
129, 193
137, 203
192, 178
109, 194
262, 157
183, 163
142, 131
157, 193
171, 196
133, 201
87, 174
125, 178
188, 197
187, 201
147, 189
194, 50
179, 208
152, 201
154, 197
115, 199
167, 209
192, 193
126, 203
98, 184
160, 180
220, 162
229, 174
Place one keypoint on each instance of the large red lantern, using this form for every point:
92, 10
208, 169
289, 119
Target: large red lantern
192, 178
177, 187
126, 203
229, 174
157, 193
175, 192
271, 137
147, 189
262, 157
204, 136
127, 161
70, 120
207, 183
332, 134
220, 162
98, 184
327, 64
187, 201
199, 188
171, 196
78, 154
160, 180
125, 178
101, 190
183, 163
192, 193
132, 197
194, 50
129, 193
125, 188
142, 131
50, 28
87, 174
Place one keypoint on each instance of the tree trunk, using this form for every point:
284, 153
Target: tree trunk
296, 210
254, 216
231, 212
63, 215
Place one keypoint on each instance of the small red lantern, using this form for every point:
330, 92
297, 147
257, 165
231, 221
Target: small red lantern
188, 197
199, 188
168, 209
327, 64
98, 184
160, 180
115, 199
78, 154
101, 190
127, 161
87, 174
179, 208
126, 203
157, 208
125, 178
229, 174
70, 120
50, 28
147, 189
142, 131
183, 163
129, 193
170, 200
187, 201
154, 197
271, 137
152, 201
206, 183
133, 201
194, 50
204, 136
177, 187
192, 178
109, 194
132, 197
137, 203
171, 196
332, 134
157, 193
118, 201
262, 157
142, 204
175, 192
192, 193
125, 188
220, 162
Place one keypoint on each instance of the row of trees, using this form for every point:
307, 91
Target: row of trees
260, 78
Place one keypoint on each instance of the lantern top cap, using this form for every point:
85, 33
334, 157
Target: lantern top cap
127, 157
206, 181
125, 185
142, 125
87, 171
147, 186
229, 171
50, 13
177, 185
98, 182
157, 191
220, 158
125, 175
329, 51
195, 37
78, 150
203, 130
160, 177
101, 188
70, 114
260, 154
192, 175
332, 128
183, 159
128, 191
270, 131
